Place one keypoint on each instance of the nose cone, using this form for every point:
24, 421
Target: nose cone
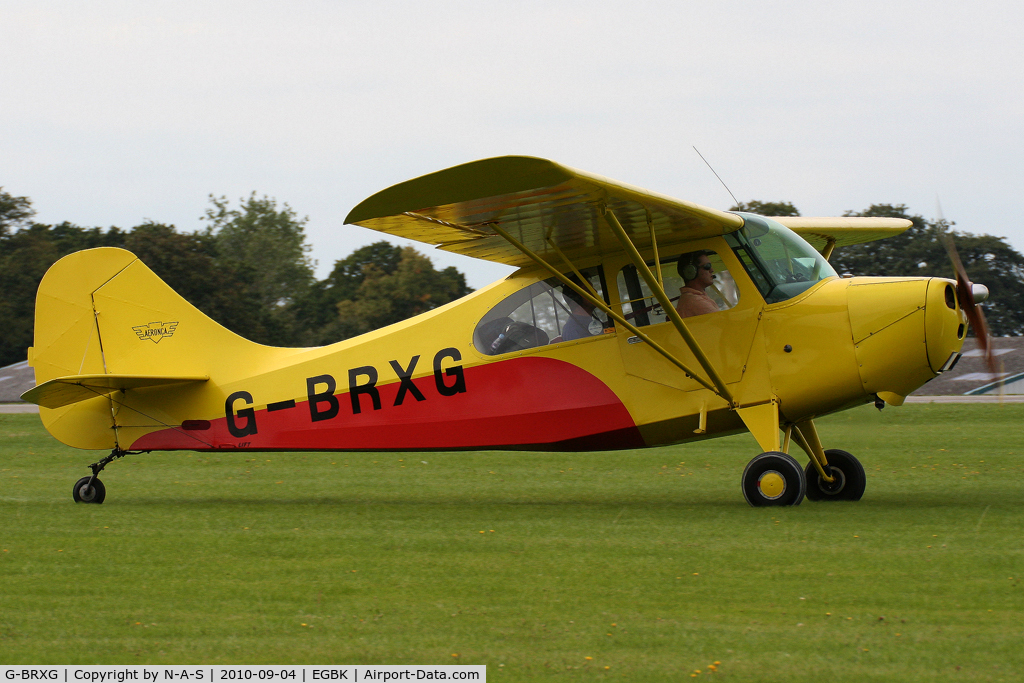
945, 324
904, 331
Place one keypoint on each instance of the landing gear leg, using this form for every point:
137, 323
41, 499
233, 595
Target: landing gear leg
831, 474
848, 478
90, 489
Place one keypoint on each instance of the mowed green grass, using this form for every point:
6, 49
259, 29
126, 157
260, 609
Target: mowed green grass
637, 566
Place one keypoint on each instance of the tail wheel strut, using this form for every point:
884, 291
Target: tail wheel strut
90, 489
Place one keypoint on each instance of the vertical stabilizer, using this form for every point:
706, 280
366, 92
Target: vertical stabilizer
67, 341
102, 312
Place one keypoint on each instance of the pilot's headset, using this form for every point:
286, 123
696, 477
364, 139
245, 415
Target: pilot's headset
688, 263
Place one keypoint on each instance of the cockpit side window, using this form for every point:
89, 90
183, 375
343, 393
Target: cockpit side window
546, 312
780, 262
696, 282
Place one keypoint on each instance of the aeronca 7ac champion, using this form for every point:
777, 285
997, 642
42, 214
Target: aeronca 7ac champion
633, 320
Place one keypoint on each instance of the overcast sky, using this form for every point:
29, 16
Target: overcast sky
113, 113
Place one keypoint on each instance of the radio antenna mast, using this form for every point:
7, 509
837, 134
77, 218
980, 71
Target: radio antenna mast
736, 201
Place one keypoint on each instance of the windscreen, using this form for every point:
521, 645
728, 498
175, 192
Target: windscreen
780, 262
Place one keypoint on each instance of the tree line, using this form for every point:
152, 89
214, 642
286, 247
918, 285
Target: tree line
249, 269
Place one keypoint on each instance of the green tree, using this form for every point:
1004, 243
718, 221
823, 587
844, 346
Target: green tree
249, 270
350, 272
920, 251
227, 292
994, 263
318, 309
15, 212
917, 251
269, 241
25, 255
767, 208
390, 292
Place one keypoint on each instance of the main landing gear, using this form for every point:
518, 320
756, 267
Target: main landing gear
775, 478
90, 489
848, 478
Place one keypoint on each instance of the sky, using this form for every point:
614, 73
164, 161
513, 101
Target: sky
115, 113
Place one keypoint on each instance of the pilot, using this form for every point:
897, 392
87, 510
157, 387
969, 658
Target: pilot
581, 315
697, 272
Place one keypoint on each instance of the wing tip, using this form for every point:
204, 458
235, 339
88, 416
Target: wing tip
464, 182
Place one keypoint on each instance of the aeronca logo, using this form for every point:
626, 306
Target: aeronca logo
154, 332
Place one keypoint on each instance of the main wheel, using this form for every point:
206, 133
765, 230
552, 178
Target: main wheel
848, 474
84, 493
773, 478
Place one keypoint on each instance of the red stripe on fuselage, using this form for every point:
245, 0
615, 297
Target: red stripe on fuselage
538, 403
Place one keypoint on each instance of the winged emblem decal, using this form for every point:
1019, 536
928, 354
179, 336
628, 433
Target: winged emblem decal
154, 332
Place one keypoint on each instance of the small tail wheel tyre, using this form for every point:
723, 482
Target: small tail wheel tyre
847, 472
86, 493
774, 479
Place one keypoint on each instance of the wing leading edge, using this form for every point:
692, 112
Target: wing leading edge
843, 231
542, 204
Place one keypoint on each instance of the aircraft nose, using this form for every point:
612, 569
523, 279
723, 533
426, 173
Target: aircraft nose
888, 321
945, 324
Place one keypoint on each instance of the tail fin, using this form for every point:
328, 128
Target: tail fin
102, 312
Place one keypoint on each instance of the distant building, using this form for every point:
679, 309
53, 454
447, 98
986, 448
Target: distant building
15, 380
972, 377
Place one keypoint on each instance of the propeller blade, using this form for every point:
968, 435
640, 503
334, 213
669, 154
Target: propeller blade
965, 295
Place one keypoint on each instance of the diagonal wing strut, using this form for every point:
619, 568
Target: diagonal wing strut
718, 387
659, 292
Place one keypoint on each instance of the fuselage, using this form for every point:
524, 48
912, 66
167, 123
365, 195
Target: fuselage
441, 381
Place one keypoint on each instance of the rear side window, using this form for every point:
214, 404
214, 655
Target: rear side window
546, 312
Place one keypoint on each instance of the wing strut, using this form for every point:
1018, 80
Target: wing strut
807, 438
670, 310
607, 310
830, 245
584, 281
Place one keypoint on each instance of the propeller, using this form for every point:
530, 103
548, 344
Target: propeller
969, 303
968, 294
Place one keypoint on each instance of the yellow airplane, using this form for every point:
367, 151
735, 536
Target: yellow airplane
634, 320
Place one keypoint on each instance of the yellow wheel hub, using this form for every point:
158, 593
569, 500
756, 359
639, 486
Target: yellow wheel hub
771, 484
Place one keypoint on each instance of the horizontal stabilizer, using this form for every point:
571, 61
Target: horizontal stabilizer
63, 391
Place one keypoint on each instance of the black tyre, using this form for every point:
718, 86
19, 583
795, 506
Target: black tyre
773, 479
84, 493
848, 473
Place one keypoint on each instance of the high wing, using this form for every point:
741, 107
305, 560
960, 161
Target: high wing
842, 232
542, 204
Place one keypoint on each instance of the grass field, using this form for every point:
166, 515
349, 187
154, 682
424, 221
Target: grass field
637, 566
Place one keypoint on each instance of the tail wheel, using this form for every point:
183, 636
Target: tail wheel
847, 472
773, 479
84, 492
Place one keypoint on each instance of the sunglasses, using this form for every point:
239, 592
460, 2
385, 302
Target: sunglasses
707, 267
